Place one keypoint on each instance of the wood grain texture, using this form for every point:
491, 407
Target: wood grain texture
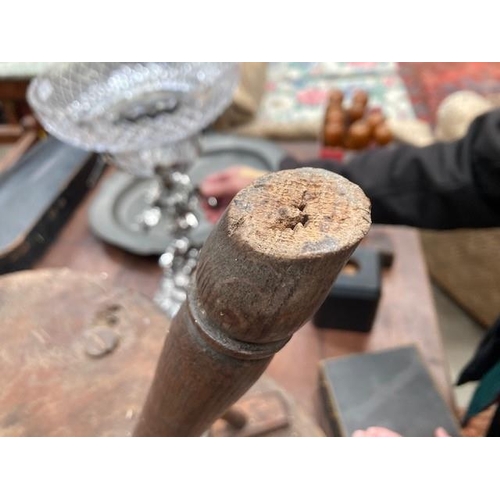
78, 356
53, 384
263, 271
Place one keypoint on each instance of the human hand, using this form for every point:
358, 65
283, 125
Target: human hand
383, 432
375, 432
217, 190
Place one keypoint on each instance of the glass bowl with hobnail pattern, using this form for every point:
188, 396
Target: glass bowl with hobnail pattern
147, 117
140, 113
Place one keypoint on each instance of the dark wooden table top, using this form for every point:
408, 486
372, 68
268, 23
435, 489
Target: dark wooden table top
406, 312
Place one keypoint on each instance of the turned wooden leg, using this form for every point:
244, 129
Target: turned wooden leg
264, 270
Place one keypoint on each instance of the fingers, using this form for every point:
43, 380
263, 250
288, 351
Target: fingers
224, 186
383, 432
359, 434
229, 182
440, 432
220, 187
216, 179
375, 432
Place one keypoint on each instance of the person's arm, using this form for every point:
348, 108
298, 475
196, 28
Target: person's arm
442, 186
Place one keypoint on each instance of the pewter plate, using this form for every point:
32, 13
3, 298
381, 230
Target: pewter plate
116, 208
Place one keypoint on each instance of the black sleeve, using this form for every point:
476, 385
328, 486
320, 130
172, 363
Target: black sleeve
442, 186
485, 358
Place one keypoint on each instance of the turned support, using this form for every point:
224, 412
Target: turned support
264, 270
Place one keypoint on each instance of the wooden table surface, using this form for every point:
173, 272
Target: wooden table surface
406, 313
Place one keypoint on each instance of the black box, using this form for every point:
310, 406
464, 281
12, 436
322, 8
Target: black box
38, 195
390, 388
353, 300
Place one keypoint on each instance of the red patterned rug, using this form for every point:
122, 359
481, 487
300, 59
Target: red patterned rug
429, 83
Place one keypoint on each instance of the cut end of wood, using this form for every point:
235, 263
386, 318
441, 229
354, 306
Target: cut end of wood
273, 256
297, 213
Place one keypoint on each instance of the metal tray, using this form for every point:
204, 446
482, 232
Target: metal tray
113, 213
